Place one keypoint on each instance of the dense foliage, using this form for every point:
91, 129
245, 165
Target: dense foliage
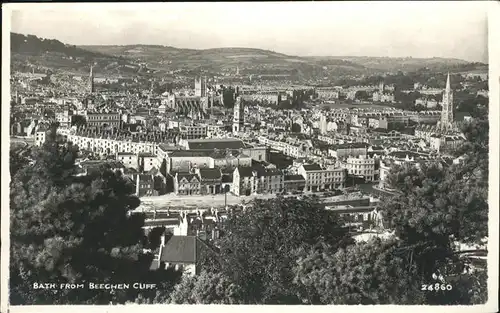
73, 229
258, 253
439, 207
374, 272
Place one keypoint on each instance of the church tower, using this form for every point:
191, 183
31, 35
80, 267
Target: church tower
200, 87
91, 80
239, 116
447, 111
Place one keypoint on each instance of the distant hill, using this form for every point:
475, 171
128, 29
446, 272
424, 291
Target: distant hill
249, 60
406, 64
30, 52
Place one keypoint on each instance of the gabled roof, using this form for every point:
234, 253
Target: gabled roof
312, 167
153, 171
188, 176
210, 173
245, 171
182, 249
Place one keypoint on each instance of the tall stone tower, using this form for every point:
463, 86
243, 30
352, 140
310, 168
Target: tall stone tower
322, 124
447, 112
91, 80
200, 86
239, 116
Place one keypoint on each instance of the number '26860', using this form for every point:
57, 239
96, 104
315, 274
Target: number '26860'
436, 287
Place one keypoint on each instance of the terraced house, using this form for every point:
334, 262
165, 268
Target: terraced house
318, 178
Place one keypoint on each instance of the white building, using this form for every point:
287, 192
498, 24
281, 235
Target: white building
318, 178
107, 146
40, 138
361, 166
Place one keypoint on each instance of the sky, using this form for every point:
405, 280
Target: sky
386, 29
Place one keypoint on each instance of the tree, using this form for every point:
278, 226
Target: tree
16, 161
163, 168
207, 288
158, 184
373, 272
438, 207
72, 229
154, 237
256, 250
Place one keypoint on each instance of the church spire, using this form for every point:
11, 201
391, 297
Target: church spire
91, 79
447, 104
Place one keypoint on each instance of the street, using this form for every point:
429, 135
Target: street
195, 201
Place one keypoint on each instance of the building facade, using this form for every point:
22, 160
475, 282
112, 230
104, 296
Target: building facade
238, 116
104, 119
361, 166
318, 178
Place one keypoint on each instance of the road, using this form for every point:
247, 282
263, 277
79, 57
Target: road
173, 201
195, 201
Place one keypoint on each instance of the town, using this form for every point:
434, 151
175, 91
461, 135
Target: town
245, 182
186, 154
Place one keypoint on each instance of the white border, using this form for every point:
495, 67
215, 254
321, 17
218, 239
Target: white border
494, 95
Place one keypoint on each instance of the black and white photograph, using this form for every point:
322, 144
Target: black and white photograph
249, 153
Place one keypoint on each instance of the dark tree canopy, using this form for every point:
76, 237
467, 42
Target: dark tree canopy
374, 272
256, 251
438, 207
73, 229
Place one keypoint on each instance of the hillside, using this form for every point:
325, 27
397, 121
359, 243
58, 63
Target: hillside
248, 60
409, 64
29, 52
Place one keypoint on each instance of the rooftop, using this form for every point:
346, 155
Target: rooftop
211, 144
189, 153
294, 177
312, 167
182, 249
210, 173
